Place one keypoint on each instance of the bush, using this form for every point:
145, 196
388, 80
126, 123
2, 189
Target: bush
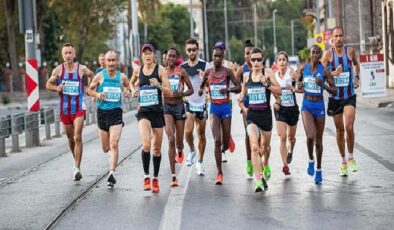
5, 100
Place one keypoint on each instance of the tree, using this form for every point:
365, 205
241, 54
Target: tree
9, 5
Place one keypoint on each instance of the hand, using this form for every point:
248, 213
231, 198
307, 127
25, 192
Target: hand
127, 93
201, 73
176, 94
276, 106
101, 96
266, 81
200, 92
319, 82
356, 82
300, 85
153, 82
338, 70
223, 90
59, 88
134, 92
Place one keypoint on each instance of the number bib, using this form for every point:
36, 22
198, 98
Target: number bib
257, 95
112, 94
310, 85
174, 82
287, 98
342, 80
196, 107
71, 88
215, 91
148, 96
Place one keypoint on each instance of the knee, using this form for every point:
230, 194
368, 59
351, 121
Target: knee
77, 138
349, 129
340, 132
266, 148
254, 148
114, 144
282, 138
310, 139
156, 151
291, 139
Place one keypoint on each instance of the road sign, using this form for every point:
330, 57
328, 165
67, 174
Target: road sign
29, 36
319, 40
372, 77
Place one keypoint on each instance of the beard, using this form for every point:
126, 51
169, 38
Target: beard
192, 58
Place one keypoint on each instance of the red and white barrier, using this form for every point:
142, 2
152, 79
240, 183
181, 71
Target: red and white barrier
33, 101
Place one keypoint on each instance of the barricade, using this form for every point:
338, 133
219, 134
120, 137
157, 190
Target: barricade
32, 131
5, 131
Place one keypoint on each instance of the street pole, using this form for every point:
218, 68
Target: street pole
330, 8
226, 30
360, 23
317, 17
191, 19
292, 37
273, 21
135, 43
255, 23
206, 50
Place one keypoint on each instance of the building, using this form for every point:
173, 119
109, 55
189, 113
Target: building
388, 39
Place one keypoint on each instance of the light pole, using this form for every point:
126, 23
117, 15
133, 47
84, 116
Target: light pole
273, 21
292, 37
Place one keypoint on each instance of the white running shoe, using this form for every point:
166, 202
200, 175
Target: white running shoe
200, 169
77, 174
191, 158
224, 158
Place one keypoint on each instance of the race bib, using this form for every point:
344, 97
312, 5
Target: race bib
148, 96
71, 88
287, 98
196, 107
257, 95
310, 85
342, 80
112, 94
215, 91
174, 82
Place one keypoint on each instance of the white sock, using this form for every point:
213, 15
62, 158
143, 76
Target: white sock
344, 160
318, 170
174, 175
311, 161
351, 156
146, 176
111, 172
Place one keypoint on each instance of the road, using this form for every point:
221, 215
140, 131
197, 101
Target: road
37, 191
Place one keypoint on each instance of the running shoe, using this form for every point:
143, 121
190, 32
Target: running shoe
259, 186
180, 157
344, 169
286, 170
311, 168
224, 158
231, 145
352, 165
191, 158
147, 184
267, 172
77, 174
111, 181
174, 182
200, 169
289, 157
249, 168
318, 177
265, 185
155, 185
219, 179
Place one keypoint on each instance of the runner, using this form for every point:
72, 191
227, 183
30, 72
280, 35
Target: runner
107, 86
152, 80
101, 59
196, 106
67, 80
257, 86
164, 58
228, 64
342, 60
218, 80
311, 83
286, 109
245, 69
174, 111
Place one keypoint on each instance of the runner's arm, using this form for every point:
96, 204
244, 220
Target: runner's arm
188, 83
126, 84
331, 88
51, 83
133, 79
356, 68
165, 86
237, 85
274, 86
92, 90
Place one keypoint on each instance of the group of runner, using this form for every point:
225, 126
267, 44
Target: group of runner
179, 99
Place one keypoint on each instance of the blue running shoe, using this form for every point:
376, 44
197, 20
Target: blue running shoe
311, 168
318, 177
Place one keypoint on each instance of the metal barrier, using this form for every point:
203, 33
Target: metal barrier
5, 131
17, 127
32, 125
47, 118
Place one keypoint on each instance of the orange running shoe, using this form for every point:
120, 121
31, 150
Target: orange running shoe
147, 184
155, 185
180, 157
219, 179
231, 145
174, 182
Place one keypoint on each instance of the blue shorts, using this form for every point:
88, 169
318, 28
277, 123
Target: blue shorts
316, 108
222, 111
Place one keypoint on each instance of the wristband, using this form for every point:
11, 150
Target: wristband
228, 90
358, 78
324, 87
159, 86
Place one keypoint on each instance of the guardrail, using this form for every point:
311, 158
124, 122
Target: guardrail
29, 123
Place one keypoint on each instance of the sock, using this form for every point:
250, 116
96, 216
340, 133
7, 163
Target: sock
318, 170
344, 160
111, 172
156, 165
145, 161
173, 176
311, 161
200, 161
350, 156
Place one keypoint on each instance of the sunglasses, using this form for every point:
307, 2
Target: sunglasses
315, 52
256, 59
191, 50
